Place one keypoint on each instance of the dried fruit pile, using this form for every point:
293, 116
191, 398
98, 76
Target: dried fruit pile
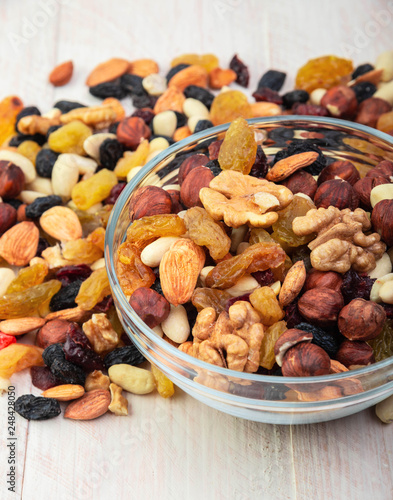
243, 230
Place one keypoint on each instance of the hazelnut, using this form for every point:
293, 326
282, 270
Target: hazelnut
361, 320
52, 332
337, 193
340, 101
370, 110
7, 217
150, 306
189, 163
196, 179
301, 182
12, 179
383, 169
287, 340
355, 353
131, 132
176, 205
305, 360
364, 187
343, 169
323, 279
321, 306
150, 200
382, 220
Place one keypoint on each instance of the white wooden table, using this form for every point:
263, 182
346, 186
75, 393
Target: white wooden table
180, 449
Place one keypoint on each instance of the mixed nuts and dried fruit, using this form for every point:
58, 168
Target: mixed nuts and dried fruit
262, 265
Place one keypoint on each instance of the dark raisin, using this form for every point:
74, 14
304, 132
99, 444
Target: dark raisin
300, 147
126, 339
113, 128
14, 202
146, 114
388, 310
267, 94
199, 93
293, 97
364, 90
172, 72
274, 392
53, 352
45, 161
356, 286
272, 79
264, 278
78, 350
43, 378
65, 297
230, 302
108, 89
253, 391
260, 167
41, 205
202, 125
181, 119
302, 253
144, 101
51, 129
214, 166
156, 286
36, 407
362, 69
110, 152
192, 314
241, 70
309, 110
43, 244
128, 355
132, 84
18, 139
105, 304
292, 315
67, 372
70, 274
66, 106
328, 341
115, 193
27, 111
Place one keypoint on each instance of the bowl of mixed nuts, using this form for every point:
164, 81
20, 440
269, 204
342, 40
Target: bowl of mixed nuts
252, 263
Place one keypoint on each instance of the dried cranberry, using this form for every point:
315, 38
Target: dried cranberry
309, 110
356, 286
6, 340
146, 114
69, 274
115, 193
292, 315
43, 378
388, 310
264, 278
241, 70
78, 350
260, 167
268, 95
126, 339
214, 149
105, 304
230, 302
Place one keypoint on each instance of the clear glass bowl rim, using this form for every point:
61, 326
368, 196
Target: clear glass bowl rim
173, 351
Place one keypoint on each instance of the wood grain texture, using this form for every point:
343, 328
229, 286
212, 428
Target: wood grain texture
180, 449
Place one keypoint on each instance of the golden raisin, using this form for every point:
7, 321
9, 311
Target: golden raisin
70, 138
207, 61
210, 297
17, 357
323, 72
227, 106
267, 358
87, 193
131, 271
97, 237
9, 108
131, 160
144, 230
81, 251
164, 386
264, 300
28, 277
29, 149
239, 149
93, 289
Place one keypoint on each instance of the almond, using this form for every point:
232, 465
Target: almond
61, 223
172, 99
192, 75
92, 405
65, 392
53, 332
179, 270
143, 67
76, 314
293, 283
61, 74
219, 77
107, 71
19, 326
19, 244
287, 166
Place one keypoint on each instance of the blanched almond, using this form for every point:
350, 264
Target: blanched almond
61, 223
65, 392
92, 405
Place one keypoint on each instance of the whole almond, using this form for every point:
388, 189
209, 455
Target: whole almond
192, 75
61, 223
172, 99
287, 166
179, 270
19, 244
65, 392
61, 74
76, 314
53, 332
143, 67
107, 71
92, 405
293, 283
19, 326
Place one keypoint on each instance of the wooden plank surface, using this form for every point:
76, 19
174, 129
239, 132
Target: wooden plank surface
181, 449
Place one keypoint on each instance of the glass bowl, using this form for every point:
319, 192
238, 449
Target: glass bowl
263, 398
